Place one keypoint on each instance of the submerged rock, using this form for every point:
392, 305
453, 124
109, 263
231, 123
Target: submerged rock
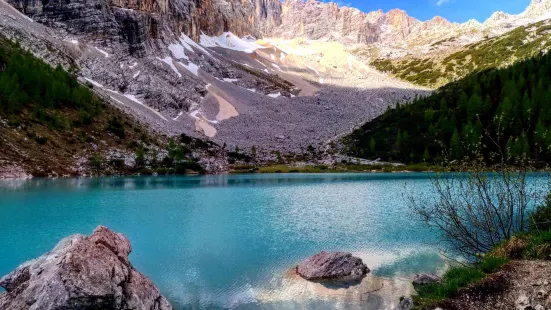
82, 272
405, 304
332, 266
426, 278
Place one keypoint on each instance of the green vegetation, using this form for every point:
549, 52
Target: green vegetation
516, 45
505, 112
29, 83
535, 243
455, 279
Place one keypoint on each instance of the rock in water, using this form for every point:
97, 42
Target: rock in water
332, 266
82, 272
426, 278
405, 304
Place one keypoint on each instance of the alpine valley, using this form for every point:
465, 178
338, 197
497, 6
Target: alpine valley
136, 86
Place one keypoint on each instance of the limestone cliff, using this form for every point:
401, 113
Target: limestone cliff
140, 22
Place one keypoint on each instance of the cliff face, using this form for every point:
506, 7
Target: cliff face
317, 20
140, 22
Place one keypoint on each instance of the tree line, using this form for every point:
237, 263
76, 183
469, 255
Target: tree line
28, 83
502, 115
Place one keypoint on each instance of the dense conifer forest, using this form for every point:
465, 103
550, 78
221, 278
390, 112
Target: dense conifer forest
27, 82
498, 115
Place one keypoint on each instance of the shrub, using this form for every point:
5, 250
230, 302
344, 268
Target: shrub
492, 264
540, 218
454, 279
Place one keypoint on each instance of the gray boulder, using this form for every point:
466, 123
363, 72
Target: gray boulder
332, 266
82, 272
426, 278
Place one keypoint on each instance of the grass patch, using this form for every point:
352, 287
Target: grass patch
455, 279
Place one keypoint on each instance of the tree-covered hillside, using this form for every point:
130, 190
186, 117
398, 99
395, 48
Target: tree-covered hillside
498, 52
505, 112
51, 125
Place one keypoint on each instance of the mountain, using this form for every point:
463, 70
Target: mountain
177, 66
495, 115
395, 33
50, 125
265, 75
440, 68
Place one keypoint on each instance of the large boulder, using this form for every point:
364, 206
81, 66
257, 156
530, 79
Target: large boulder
82, 272
426, 278
332, 266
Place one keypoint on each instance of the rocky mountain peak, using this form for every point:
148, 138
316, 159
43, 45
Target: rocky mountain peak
498, 16
437, 21
537, 9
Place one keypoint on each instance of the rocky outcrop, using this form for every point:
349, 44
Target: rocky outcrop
82, 272
426, 278
333, 266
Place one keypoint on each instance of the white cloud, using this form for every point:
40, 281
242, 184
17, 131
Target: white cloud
442, 2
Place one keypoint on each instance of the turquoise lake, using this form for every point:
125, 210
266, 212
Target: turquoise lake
215, 242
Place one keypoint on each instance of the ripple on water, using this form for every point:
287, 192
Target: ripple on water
229, 241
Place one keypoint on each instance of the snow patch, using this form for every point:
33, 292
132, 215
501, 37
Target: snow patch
179, 114
251, 90
274, 95
282, 56
191, 67
277, 67
105, 54
266, 70
133, 65
168, 60
189, 44
350, 61
133, 98
116, 100
136, 74
94, 82
230, 80
177, 51
75, 42
230, 41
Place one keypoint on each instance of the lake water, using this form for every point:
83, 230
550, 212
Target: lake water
230, 241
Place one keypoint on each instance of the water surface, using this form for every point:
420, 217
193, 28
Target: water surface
230, 241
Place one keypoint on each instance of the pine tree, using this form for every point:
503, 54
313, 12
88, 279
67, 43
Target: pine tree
455, 144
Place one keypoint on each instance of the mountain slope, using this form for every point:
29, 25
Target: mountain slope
497, 114
196, 67
501, 51
222, 87
50, 125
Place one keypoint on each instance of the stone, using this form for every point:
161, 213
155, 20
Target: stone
523, 301
540, 294
82, 272
332, 266
405, 304
539, 307
426, 278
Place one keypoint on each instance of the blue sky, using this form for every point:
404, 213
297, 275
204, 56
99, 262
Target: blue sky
453, 10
